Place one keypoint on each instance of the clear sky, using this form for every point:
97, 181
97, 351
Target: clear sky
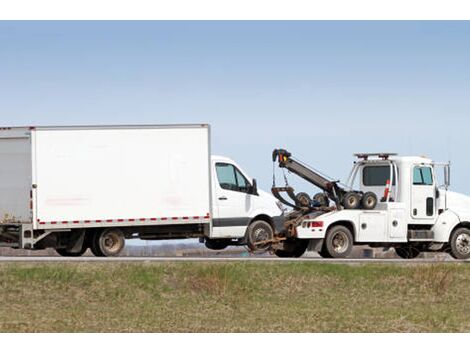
323, 90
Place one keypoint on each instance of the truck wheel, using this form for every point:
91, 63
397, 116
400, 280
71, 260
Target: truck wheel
351, 200
259, 236
302, 199
369, 201
408, 252
216, 245
65, 253
338, 242
321, 199
108, 243
460, 244
292, 249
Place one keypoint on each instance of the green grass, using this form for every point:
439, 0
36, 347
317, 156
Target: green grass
234, 297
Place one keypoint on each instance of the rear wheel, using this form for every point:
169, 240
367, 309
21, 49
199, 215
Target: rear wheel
407, 252
259, 236
338, 242
216, 245
108, 243
65, 253
460, 244
292, 249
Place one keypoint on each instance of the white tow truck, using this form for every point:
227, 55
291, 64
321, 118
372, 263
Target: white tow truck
389, 201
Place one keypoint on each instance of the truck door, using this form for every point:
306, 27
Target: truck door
423, 193
232, 202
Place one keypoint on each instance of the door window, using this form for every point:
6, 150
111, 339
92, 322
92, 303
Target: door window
231, 178
422, 176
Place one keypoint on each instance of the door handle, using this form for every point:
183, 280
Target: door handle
223, 198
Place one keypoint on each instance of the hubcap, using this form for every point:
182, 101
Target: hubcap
463, 243
112, 242
340, 242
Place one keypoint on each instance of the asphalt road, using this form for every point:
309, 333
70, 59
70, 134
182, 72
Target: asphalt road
223, 259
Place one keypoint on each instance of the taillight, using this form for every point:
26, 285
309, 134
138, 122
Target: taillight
316, 224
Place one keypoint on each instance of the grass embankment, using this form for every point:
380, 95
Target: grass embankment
234, 297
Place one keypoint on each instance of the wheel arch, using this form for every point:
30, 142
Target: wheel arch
265, 218
346, 223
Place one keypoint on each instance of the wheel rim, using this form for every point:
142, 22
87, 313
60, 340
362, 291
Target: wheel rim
462, 243
111, 242
340, 242
260, 238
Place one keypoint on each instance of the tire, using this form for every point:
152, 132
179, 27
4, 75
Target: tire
259, 231
216, 245
302, 199
321, 199
65, 253
460, 244
324, 254
351, 200
292, 249
108, 243
369, 201
408, 252
338, 242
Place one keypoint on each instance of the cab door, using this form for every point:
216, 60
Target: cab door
423, 193
232, 200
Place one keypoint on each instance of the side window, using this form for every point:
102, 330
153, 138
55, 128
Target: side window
422, 176
231, 178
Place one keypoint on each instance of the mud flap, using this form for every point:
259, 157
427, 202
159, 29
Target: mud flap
76, 241
315, 245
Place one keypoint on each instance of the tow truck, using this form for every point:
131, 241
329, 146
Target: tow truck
413, 215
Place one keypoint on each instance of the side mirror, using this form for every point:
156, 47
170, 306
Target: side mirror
447, 175
254, 188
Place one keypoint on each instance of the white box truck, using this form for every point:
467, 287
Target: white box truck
74, 188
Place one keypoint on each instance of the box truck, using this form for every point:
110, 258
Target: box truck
74, 188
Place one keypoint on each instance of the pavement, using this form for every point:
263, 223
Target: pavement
225, 260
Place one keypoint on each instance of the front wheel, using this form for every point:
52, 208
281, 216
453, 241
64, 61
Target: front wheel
338, 242
259, 236
460, 244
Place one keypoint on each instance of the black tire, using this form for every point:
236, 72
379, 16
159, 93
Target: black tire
108, 243
339, 242
216, 245
369, 201
65, 253
324, 254
292, 249
351, 200
302, 199
258, 236
460, 244
407, 252
322, 199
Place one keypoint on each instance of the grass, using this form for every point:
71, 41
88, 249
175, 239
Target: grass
234, 297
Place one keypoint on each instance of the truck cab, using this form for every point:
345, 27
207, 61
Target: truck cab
238, 203
414, 212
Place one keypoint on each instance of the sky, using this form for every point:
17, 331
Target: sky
323, 90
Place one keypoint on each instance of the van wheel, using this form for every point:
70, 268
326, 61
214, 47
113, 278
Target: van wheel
460, 244
408, 252
108, 243
259, 236
338, 242
292, 249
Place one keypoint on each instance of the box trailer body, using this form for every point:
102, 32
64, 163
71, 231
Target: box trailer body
155, 180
